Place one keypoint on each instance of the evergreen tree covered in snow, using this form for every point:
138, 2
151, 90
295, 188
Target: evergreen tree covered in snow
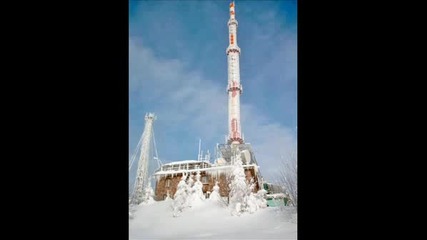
190, 190
168, 198
215, 197
242, 196
180, 197
238, 187
251, 203
148, 195
260, 196
197, 191
250, 200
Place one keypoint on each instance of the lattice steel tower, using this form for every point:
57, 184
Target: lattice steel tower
142, 171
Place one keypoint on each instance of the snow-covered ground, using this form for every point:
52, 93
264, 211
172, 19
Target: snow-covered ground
211, 221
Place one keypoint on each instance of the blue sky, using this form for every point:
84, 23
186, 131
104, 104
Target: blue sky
178, 70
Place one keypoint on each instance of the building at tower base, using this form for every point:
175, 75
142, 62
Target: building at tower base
169, 175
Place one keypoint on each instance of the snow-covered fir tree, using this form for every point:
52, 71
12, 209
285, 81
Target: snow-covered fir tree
197, 191
168, 198
260, 196
148, 194
242, 196
190, 183
238, 187
250, 201
180, 197
215, 196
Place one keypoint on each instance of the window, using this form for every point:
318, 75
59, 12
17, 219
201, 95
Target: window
205, 179
168, 182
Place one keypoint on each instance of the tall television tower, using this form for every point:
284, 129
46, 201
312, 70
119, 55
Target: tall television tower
234, 87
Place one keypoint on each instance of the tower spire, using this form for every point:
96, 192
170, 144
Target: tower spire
234, 87
232, 13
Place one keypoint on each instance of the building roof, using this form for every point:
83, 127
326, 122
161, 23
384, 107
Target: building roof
184, 162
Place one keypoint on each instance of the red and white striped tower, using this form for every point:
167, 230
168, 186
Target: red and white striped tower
234, 87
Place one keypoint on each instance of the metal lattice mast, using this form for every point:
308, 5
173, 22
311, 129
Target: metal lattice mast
142, 171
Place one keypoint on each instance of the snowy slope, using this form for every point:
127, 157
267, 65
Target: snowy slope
210, 221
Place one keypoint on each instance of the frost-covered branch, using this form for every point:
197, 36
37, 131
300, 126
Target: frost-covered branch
288, 177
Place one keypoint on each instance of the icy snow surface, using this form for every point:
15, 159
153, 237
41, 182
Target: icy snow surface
210, 221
